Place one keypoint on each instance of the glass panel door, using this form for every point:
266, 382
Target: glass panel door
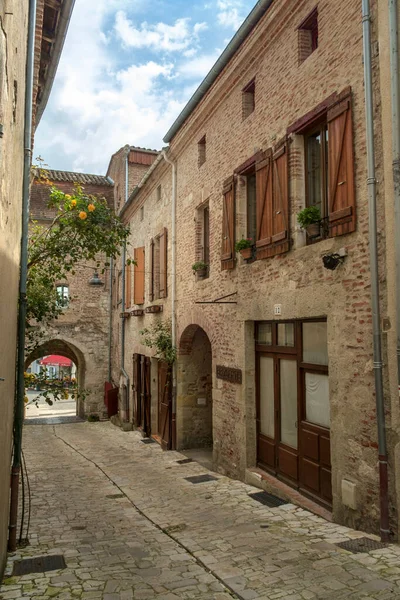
288, 402
267, 412
317, 399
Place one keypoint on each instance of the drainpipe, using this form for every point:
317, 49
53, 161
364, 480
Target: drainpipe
173, 286
20, 367
394, 79
110, 321
124, 373
373, 248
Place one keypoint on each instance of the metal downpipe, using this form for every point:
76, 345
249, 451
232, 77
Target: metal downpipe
110, 322
394, 80
22, 306
123, 284
373, 246
173, 286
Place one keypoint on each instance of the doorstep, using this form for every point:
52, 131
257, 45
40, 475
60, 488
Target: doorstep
269, 483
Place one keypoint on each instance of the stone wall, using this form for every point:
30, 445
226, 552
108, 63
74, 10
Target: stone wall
13, 32
84, 325
285, 91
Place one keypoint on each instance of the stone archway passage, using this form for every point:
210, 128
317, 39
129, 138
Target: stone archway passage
194, 411
63, 348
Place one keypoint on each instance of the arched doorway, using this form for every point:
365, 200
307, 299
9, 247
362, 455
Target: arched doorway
194, 409
49, 355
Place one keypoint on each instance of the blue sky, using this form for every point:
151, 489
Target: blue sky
127, 70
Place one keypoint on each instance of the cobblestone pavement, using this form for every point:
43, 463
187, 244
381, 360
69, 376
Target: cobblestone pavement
132, 528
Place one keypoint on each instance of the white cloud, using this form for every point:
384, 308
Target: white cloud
198, 67
158, 36
230, 13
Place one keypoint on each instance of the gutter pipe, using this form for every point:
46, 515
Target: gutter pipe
373, 247
242, 34
22, 305
173, 286
394, 79
123, 371
110, 322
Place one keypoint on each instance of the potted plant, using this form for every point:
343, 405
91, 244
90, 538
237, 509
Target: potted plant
200, 269
245, 247
310, 220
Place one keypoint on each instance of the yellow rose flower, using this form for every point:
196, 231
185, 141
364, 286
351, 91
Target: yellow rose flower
82, 215
73, 202
67, 196
91, 207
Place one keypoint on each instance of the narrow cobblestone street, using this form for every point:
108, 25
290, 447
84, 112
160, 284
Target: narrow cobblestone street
131, 527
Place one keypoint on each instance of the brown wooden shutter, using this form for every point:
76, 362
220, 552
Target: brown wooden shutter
341, 195
273, 228
163, 263
264, 200
128, 286
151, 286
137, 418
228, 226
138, 284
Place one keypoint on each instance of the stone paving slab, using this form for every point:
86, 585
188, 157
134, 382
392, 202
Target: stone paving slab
130, 526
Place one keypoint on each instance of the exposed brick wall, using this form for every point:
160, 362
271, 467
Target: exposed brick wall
285, 91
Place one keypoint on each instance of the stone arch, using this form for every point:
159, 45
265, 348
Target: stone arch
194, 407
69, 350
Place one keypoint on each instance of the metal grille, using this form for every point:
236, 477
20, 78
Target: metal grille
148, 441
268, 499
184, 461
363, 544
201, 478
78, 527
115, 496
40, 564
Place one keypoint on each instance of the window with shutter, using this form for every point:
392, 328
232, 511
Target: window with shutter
163, 263
228, 226
342, 209
128, 286
272, 203
138, 283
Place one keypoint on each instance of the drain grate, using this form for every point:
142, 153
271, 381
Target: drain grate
201, 478
363, 544
40, 564
78, 527
115, 496
148, 441
184, 461
268, 499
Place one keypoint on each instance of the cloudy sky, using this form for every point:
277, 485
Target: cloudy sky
127, 69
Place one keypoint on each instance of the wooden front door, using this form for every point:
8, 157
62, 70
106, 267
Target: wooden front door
293, 437
142, 392
164, 404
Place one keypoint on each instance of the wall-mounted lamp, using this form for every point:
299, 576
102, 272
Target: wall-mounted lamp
333, 260
95, 280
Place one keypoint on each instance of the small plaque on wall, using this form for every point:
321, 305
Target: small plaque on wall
229, 374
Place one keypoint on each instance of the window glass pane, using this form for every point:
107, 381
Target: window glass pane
264, 334
317, 399
315, 343
314, 170
267, 412
251, 207
288, 400
286, 334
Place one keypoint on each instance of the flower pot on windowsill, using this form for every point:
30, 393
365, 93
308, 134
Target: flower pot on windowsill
313, 230
246, 253
201, 273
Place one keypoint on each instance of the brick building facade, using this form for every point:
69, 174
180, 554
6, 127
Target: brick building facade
275, 365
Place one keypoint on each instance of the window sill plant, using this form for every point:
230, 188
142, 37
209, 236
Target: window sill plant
245, 247
310, 220
200, 268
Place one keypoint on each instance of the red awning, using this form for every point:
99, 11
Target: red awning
56, 361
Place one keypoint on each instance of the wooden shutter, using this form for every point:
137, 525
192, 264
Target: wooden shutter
151, 283
264, 200
138, 284
164, 405
273, 204
137, 417
128, 286
163, 263
228, 226
341, 194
